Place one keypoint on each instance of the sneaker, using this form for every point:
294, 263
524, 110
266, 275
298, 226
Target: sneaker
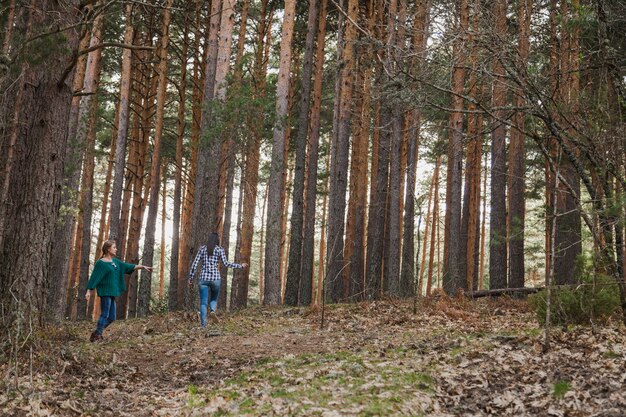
95, 337
213, 317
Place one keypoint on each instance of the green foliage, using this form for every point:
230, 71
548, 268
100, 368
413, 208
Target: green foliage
560, 388
595, 299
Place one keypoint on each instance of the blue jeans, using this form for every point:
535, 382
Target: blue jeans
203, 289
107, 313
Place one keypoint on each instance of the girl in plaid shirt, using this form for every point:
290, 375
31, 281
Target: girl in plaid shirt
210, 278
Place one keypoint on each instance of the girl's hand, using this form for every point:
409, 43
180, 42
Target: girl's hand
88, 295
146, 268
244, 265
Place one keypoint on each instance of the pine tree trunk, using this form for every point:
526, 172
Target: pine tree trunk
186, 296
38, 164
250, 176
306, 295
294, 269
516, 160
452, 279
407, 277
115, 231
145, 284
497, 222
429, 222
176, 285
59, 266
163, 219
335, 263
86, 132
276, 180
568, 245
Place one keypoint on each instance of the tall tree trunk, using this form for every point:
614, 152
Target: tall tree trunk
145, 284
422, 17
173, 290
335, 261
516, 159
452, 279
205, 215
261, 250
568, 244
122, 127
308, 243
38, 164
276, 180
186, 296
294, 269
250, 175
86, 131
497, 222
59, 265
429, 222
322, 250
357, 205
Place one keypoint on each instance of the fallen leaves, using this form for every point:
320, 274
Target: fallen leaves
452, 358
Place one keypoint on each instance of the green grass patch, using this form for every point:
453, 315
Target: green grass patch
560, 388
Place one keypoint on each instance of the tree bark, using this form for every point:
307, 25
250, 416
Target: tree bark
175, 282
452, 279
308, 244
250, 175
294, 269
86, 133
516, 159
145, 284
276, 180
122, 127
34, 189
497, 222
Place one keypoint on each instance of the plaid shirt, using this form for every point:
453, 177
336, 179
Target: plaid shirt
210, 264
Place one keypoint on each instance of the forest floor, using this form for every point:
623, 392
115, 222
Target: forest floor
452, 358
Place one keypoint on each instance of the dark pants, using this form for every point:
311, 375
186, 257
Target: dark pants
107, 313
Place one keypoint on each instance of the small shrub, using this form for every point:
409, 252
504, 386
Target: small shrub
579, 305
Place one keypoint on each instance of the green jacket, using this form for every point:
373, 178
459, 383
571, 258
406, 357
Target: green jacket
108, 277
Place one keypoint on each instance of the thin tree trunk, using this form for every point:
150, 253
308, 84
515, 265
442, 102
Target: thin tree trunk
429, 222
261, 250
163, 220
435, 229
322, 251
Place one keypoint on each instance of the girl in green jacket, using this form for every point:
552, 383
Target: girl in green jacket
108, 278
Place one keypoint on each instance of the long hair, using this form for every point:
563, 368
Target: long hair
214, 240
106, 246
